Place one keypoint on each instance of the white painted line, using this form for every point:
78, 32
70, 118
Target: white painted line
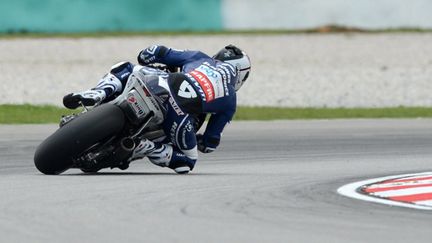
425, 203
350, 190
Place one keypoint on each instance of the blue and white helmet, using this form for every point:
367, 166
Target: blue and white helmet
239, 59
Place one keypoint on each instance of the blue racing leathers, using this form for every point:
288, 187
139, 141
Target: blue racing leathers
207, 86
203, 86
179, 149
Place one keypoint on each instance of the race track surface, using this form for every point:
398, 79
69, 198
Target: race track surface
268, 182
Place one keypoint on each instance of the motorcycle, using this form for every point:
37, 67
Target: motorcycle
106, 135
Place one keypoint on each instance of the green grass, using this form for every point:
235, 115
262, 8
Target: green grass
270, 113
21, 114
30, 114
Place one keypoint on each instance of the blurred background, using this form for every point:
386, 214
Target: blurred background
305, 53
209, 15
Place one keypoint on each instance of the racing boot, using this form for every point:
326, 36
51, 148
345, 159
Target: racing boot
88, 98
144, 148
163, 155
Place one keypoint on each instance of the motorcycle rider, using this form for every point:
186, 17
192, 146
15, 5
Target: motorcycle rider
204, 85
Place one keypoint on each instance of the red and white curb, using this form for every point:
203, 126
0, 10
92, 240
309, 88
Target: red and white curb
408, 190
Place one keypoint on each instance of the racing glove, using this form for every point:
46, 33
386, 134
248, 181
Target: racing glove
151, 54
207, 144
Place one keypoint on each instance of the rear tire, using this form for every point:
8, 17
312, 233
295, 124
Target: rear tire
55, 154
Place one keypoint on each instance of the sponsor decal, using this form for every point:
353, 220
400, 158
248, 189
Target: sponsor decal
205, 84
232, 69
173, 132
184, 139
210, 71
152, 49
175, 106
124, 75
131, 99
197, 85
134, 103
186, 90
148, 54
409, 190
189, 126
218, 77
226, 78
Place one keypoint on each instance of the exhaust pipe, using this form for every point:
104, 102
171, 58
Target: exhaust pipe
127, 144
121, 154
124, 151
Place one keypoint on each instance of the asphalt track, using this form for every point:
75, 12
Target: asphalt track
268, 182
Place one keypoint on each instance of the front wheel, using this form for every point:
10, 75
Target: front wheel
56, 153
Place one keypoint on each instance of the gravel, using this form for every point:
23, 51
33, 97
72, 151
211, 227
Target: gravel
305, 70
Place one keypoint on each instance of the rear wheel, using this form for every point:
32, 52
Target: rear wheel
56, 153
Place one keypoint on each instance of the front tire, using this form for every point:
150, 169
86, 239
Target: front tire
56, 153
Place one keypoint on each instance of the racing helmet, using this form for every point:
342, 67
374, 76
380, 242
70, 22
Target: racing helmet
239, 59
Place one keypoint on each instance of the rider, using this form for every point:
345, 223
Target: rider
204, 85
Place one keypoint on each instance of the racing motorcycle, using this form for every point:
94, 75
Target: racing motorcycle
106, 135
